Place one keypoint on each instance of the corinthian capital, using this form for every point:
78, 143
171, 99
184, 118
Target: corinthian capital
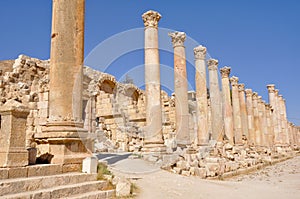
271, 88
248, 92
212, 64
225, 71
151, 18
178, 38
254, 95
200, 52
234, 81
241, 87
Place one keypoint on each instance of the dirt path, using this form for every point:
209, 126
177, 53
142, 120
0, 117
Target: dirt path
279, 181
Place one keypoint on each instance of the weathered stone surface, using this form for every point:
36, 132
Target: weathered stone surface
123, 188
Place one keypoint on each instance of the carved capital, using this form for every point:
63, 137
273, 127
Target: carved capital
241, 87
248, 92
151, 18
200, 52
178, 38
271, 88
276, 91
225, 71
268, 107
212, 64
254, 95
234, 81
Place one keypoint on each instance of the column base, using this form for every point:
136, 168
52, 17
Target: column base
69, 143
154, 148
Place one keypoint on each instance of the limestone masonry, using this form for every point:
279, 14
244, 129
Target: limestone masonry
61, 107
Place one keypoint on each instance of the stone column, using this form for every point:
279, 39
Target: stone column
227, 108
215, 101
270, 125
284, 124
237, 122
181, 89
152, 80
243, 110
251, 129
278, 117
273, 103
262, 122
64, 130
256, 119
201, 95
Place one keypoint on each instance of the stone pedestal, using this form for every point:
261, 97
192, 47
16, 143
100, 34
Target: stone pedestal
201, 96
227, 107
153, 130
13, 118
237, 122
64, 136
181, 89
215, 101
250, 114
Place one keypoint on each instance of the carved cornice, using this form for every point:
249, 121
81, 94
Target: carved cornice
178, 38
151, 18
234, 81
200, 52
212, 64
225, 71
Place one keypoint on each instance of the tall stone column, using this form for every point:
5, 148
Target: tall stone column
262, 122
227, 108
201, 95
250, 115
278, 117
64, 132
152, 80
215, 101
256, 120
181, 89
270, 125
237, 122
243, 108
273, 103
284, 122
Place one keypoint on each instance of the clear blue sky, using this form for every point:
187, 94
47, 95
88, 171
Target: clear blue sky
259, 39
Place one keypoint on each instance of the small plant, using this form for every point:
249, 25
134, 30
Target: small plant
102, 170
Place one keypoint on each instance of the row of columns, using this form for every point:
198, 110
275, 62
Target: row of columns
237, 114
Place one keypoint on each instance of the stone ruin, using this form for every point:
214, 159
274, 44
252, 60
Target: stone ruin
217, 133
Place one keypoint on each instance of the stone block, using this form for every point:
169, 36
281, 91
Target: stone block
3, 173
177, 170
201, 172
123, 188
18, 172
44, 170
42, 105
89, 165
184, 165
43, 113
186, 173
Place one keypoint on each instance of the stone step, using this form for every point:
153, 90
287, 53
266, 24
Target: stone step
19, 185
95, 195
63, 191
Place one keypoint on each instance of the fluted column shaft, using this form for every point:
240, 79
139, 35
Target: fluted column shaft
270, 126
278, 118
215, 100
243, 110
262, 122
201, 96
237, 122
250, 114
181, 89
284, 122
227, 108
152, 79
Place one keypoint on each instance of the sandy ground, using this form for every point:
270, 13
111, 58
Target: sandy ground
280, 181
